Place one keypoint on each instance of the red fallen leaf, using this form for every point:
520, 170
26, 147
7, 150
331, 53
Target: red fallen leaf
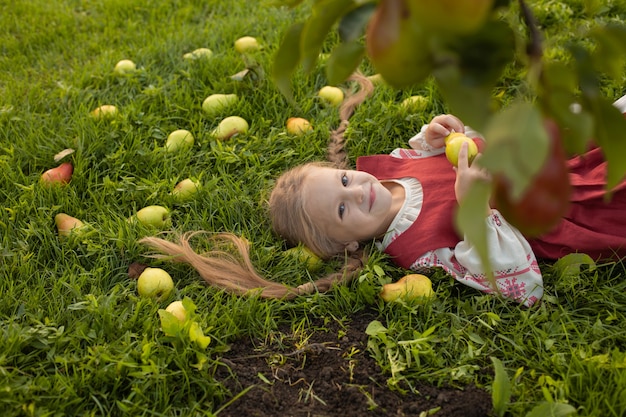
546, 199
59, 175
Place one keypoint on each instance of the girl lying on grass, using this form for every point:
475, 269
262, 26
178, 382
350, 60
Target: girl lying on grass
404, 202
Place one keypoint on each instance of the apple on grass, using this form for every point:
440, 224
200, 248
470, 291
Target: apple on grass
246, 44
156, 216
218, 102
416, 103
185, 189
125, 66
67, 224
178, 140
60, 175
410, 287
453, 142
298, 126
177, 309
305, 255
331, 95
155, 283
200, 53
104, 112
229, 127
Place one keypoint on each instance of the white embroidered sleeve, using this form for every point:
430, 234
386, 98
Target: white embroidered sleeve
514, 265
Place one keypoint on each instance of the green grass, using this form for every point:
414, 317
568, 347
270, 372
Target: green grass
76, 339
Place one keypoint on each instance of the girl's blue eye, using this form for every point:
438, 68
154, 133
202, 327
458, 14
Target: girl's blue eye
344, 180
342, 209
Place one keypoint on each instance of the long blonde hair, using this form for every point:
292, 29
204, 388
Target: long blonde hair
236, 273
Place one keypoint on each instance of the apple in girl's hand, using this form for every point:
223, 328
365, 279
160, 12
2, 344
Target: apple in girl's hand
216, 103
409, 287
157, 216
453, 142
229, 127
246, 44
177, 309
331, 95
185, 189
104, 112
178, 140
125, 66
199, 53
155, 283
298, 126
67, 224
59, 175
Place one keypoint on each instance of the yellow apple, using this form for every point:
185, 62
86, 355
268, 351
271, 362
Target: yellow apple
331, 95
303, 254
155, 283
246, 44
298, 126
177, 309
185, 189
376, 79
453, 147
125, 66
452, 16
409, 287
415, 103
178, 140
229, 127
106, 111
200, 53
217, 102
156, 216
67, 224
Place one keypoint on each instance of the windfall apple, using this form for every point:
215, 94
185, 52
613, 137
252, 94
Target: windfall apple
155, 283
218, 102
67, 224
229, 127
200, 53
60, 175
104, 112
246, 44
409, 287
331, 95
155, 215
298, 126
185, 190
178, 140
125, 66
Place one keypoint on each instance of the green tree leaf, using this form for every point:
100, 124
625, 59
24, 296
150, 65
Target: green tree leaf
286, 60
344, 60
352, 25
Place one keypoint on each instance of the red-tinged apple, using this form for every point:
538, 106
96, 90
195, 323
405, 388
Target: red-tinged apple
216, 103
303, 254
156, 216
298, 126
155, 283
229, 127
453, 147
67, 224
200, 53
409, 287
125, 66
546, 199
179, 140
177, 309
185, 189
331, 95
246, 44
451, 16
58, 175
104, 112
415, 103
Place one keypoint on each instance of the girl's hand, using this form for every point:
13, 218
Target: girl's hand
440, 127
467, 174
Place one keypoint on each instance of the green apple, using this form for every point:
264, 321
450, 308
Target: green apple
185, 189
303, 254
200, 53
177, 309
216, 103
157, 216
331, 95
450, 16
104, 112
415, 103
229, 127
67, 224
61, 174
453, 146
246, 44
155, 283
376, 79
178, 140
409, 287
298, 126
125, 66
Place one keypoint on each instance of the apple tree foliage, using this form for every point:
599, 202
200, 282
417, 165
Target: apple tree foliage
465, 46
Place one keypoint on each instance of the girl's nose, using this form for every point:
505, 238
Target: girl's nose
356, 194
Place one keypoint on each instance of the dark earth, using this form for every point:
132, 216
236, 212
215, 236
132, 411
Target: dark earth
318, 377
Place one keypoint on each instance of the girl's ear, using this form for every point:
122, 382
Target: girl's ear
352, 246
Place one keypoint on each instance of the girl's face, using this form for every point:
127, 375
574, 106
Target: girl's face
350, 206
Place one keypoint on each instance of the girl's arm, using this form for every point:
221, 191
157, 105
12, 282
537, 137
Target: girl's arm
513, 263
